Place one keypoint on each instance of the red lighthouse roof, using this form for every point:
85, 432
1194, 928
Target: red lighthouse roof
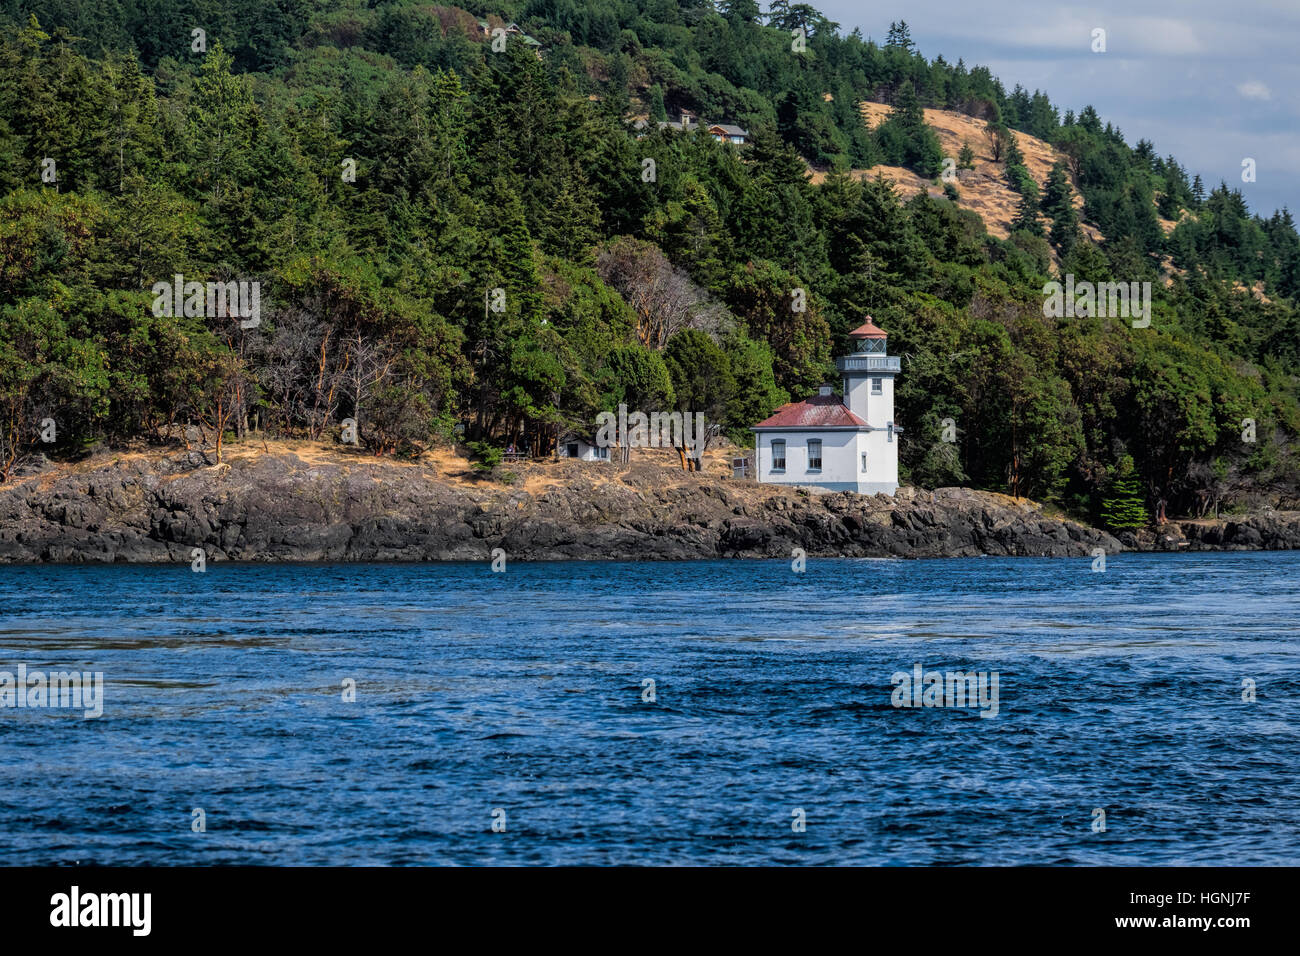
868, 330
819, 411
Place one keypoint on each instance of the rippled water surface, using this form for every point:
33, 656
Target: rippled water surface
523, 691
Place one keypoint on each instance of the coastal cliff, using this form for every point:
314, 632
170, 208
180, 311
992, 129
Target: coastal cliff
305, 504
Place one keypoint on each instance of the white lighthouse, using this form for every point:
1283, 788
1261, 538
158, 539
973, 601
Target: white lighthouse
844, 445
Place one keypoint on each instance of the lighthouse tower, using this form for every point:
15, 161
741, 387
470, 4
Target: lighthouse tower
868, 375
842, 445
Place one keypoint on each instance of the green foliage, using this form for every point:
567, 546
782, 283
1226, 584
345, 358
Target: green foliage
1124, 507
486, 456
1027, 212
723, 284
906, 140
1058, 204
701, 374
658, 112
755, 394
638, 378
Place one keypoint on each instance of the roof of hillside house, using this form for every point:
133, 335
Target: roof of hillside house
729, 129
868, 330
820, 411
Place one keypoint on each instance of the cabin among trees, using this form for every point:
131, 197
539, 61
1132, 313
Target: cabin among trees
687, 123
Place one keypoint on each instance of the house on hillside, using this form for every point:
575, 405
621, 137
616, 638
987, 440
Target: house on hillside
725, 133
687, 122
848, 444
512, 30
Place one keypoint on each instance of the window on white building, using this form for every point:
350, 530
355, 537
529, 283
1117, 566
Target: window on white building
602, 453
864, 462
877, 386
814, 454
778, 455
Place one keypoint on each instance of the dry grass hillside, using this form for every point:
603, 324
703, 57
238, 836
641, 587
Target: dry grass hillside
983, 189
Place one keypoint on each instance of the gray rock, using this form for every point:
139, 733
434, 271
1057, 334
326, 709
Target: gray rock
279, 508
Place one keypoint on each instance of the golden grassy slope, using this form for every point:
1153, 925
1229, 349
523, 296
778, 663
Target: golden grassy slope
983, 189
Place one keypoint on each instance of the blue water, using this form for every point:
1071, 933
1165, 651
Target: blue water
523, 691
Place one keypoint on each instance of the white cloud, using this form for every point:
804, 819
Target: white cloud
1254, 90
1159, 36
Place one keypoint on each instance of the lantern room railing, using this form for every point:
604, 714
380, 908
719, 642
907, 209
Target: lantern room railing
869, 363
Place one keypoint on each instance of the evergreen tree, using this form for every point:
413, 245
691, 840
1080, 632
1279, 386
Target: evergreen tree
1017, 175
1065, 229
906, 140
900, 36
1058, 204
1056, 191
1027, 212
1124, 507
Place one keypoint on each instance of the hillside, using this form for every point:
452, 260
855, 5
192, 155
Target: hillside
461, 240
984, 189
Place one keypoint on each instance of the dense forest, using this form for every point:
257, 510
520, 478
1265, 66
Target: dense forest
462, 239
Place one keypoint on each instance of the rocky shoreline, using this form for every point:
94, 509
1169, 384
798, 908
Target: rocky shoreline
278, 506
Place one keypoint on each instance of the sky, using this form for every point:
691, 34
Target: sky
1213, 83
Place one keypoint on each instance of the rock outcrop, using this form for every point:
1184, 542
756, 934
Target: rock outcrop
278, 507
1267, 530
158, 507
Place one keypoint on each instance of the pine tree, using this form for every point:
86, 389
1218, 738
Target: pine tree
1057, 205
1065, 229
1017, 174
1027, 213
1014, 157
1056, 192
906, 139
1125, 507
900, 35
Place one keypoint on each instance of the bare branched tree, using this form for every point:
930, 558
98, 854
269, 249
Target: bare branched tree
664, 298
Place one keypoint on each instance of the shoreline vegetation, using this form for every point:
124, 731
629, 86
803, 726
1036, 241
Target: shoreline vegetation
304, 502
489, 224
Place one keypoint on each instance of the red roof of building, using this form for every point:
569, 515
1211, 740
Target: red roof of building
868, 330
820, 411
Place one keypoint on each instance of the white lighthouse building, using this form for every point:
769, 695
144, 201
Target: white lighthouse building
843, 445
